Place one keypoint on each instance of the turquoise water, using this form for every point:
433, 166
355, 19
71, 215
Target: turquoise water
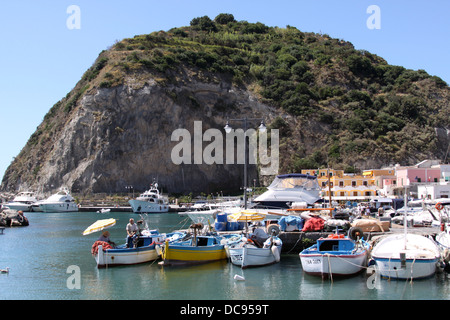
40, 257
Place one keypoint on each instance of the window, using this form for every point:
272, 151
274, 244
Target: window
341, 183
365, 183
355, 193
353, 183
342, 194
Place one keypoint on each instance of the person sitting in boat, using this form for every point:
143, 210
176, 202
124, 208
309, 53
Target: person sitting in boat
258, 236
105, 237
132, 230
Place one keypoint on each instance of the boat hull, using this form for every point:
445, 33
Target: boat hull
140, 206
247, 256
409, 269
415, 258
182, 254
58, 207
125, 256
18, 206
335, 265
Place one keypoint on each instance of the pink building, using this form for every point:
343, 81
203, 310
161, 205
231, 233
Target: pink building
411, 176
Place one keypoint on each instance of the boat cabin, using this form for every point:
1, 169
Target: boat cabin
333, 244
203, 241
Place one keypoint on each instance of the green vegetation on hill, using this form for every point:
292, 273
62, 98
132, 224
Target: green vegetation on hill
368, 108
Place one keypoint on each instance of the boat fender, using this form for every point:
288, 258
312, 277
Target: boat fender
273, 229
355, 233
276, 253
439, 206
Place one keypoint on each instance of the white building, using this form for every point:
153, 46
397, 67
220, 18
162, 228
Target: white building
433, 191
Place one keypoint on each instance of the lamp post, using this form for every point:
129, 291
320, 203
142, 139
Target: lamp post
261, 128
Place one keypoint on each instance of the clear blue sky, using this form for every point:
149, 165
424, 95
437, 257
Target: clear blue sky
41, 59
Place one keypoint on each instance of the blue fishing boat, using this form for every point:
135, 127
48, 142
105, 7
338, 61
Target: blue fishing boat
336, 255
196, 249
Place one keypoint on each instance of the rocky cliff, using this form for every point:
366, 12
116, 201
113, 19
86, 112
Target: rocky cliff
330, 102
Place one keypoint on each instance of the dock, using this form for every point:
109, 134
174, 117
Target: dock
98, 207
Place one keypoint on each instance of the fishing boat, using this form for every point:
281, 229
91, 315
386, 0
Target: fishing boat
196, 249
146, 248
336, 255
151, 201
146, 245
406, 256
247, 253
61, 201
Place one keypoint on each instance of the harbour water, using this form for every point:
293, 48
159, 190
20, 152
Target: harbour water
42, 257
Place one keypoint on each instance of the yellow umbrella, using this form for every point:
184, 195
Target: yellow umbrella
247, 216
99, 225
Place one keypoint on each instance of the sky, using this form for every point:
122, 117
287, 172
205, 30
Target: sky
46, 46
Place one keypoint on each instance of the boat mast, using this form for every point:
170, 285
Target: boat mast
405, 220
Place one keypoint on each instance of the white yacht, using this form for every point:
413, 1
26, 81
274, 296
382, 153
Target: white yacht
61, 201
23, 201
286, 189
151, 201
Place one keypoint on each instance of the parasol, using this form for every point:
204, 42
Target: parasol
247, 216
99, 225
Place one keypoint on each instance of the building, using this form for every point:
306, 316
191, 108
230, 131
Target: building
344, 186
407, 179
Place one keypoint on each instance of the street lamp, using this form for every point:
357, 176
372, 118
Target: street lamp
262, 128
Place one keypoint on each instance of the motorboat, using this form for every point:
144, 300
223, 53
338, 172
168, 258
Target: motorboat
248, 253
61, 201
289, 188
336, 255
206, 213
406, 256
23, 201
151, 201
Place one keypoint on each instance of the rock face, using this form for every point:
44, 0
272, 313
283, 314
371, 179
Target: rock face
122, 136
333, 105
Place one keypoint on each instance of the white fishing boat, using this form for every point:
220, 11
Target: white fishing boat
61, 201
290, 188
247, 253
151, 201
145, 246
406, 256
23, 201
337, 255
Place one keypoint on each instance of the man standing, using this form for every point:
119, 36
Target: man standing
132, 229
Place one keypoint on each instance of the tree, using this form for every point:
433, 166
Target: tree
203, 23
224, 18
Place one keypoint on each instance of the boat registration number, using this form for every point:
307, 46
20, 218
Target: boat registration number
312, 261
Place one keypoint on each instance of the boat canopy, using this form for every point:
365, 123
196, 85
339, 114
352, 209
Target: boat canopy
295, 181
